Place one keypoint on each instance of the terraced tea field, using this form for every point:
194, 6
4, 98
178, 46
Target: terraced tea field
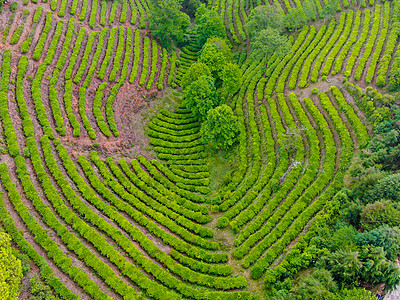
101, 224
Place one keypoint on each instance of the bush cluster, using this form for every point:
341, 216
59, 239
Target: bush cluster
96, 57
371, 44
37, 53
46, 271
293, 228
145, 63
136, 58
124, 12
118, 54
93, 14
163, 180
68, 109
307, 52
82, 112
63, 8
75, 52
154, 60
360, 43
348, 45
110, 46
97, 110
269, 89
85, 58
325, 51
36, 18
379, 45
351, 22
156, 190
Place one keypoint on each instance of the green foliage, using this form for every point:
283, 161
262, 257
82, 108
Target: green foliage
319, 286
167, 22
10, 269
195, 71
208, 25
356, 294
263, 17
14, 6
39, 290
295, 18
201, 96
136, 50
377, 214
154, 60
110, 47
164, 63
383, 236
221, 127
269, 41
345, 265
383, 147
119, 53
377, 269
37, 53
386, 188
231, 76
215, 54
330, 8
190, 6
145, 64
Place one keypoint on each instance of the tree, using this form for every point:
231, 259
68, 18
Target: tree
345, 265
330, 8
295, 18
195, 71
377, 269
263, 17
309, 10
386, 188
10, 269
167, 22
384, 236
190, 7
221, 127
269, 41
377, 214
208, 24
231, 76
201, 96
215, 54
351, 213
319, 286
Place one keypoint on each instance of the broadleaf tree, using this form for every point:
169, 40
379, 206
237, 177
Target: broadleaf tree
201, 96
167, 22
195, 71
208, 24
268, 42
221, 128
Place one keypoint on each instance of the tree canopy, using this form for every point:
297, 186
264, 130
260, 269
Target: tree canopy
263, 17
270, 41
231, 76
384, 236
208, 24
216, 53
195, 71
201, 96
221, 127
377, 214
167, 22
